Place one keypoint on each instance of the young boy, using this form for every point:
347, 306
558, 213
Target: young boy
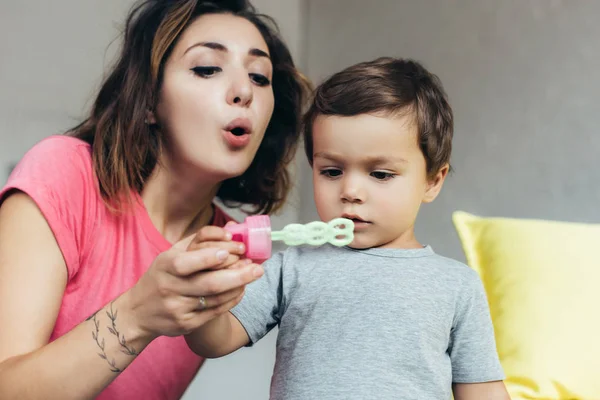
386, 317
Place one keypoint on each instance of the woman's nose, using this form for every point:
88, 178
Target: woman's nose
241, 91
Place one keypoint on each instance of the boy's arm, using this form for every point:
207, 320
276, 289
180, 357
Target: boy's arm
257, 313
476, 369
480, 391
222, 335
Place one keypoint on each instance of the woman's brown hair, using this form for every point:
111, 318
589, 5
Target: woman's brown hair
125, 149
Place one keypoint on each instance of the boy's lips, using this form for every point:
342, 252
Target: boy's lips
358, 221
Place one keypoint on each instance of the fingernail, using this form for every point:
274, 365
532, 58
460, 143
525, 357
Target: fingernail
228, 236
247, 261
222, 254
257, 272
242, 248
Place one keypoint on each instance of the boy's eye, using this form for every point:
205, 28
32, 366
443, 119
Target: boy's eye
205, 72
260, 80
331, 172
382, 175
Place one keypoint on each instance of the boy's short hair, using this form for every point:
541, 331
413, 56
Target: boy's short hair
392, 87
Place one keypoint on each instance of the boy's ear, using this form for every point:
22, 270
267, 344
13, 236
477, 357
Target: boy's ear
434, 184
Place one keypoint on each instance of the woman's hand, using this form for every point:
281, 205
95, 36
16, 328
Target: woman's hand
197, 279
217, 237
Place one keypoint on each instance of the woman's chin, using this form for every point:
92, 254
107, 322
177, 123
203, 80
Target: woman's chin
217, 167
231, 171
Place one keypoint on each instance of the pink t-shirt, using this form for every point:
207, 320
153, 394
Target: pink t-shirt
105, 255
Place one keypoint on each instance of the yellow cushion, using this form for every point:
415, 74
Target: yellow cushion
543, 284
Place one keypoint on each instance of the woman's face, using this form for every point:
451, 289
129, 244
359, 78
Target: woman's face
216, 97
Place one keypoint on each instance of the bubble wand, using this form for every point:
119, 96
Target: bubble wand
255, 232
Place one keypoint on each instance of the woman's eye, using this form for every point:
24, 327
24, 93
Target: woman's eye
206, 72
331, 172
260, 80
382, 176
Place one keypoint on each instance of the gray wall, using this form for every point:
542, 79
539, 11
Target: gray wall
523, 77
49, 64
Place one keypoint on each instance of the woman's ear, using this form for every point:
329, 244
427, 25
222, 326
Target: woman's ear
434, 184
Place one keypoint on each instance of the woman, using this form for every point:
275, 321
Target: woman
100, 266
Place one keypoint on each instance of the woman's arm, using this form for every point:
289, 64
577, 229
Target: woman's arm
80, 364
33, 277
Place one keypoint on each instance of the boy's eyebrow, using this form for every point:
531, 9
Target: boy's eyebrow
367, 160
220, 47
383, 160
329, 156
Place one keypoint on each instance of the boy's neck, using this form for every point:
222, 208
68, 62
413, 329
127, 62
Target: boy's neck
405, 241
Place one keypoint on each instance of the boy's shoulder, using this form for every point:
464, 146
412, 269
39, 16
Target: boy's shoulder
454, 266
455, 271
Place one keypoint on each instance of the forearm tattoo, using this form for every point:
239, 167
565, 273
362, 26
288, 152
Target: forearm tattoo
130, 351
100, 343
112, 328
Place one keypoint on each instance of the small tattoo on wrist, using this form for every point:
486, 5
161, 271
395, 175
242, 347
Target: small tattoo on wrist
100, 343
130, 351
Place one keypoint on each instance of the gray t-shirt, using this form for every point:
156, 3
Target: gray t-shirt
371, 324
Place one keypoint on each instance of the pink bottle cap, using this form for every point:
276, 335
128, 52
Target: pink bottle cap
255, 233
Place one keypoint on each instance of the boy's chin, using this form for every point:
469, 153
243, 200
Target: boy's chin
361, 244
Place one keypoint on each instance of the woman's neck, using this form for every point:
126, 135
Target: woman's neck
177, 205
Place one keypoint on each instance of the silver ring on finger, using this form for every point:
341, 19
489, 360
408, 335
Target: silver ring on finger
201, 303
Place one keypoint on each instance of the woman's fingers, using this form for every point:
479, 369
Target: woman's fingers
212, 283
226, 306
212, 234
239, 263
205, 234
200, 317
195, 285
236, 250
201, 303
189, 262
231, 246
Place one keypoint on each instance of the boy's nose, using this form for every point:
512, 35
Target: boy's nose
352, 194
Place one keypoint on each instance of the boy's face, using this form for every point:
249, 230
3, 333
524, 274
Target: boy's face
371, 169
